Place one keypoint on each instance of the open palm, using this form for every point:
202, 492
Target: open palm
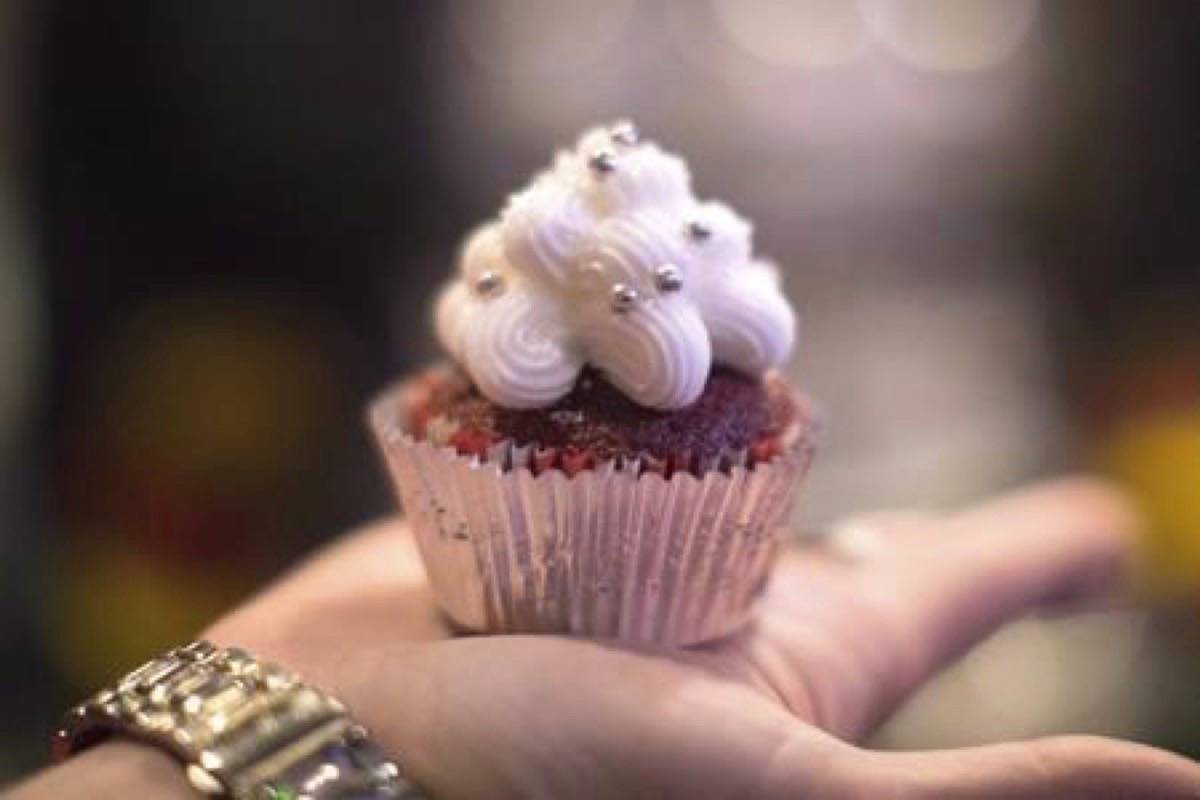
841, 638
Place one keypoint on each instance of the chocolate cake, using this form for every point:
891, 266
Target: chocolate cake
598, 422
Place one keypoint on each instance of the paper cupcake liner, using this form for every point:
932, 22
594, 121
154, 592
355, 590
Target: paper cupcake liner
614, 551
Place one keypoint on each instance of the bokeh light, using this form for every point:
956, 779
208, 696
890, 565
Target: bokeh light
197, 443
19, 326
1158, 455
951, 35
526, 37
20, 304
795, 33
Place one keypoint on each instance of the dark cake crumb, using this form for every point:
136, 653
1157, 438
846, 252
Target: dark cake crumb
597, 422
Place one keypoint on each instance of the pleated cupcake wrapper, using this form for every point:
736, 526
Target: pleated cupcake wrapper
616, 550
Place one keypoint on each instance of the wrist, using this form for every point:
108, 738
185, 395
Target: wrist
240, 726
117, 768
391, 689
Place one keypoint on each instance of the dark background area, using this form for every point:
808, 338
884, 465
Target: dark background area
221, 225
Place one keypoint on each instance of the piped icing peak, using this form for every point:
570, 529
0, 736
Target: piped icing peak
608, 259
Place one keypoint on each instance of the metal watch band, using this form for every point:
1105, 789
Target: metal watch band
245, 729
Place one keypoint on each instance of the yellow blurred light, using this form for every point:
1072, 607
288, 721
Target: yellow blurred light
222, 386
950, 35
1159, 458
521, 37
795, 33
157, 606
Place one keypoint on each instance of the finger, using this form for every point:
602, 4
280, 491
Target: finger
861, 628
373, 575
1059, 768
999, 561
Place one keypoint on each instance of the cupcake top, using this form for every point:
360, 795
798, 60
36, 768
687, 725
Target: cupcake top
608, 260
736, 419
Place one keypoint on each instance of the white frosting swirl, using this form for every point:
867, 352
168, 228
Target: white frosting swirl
608, 259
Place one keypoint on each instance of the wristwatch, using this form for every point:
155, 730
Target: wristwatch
244, 729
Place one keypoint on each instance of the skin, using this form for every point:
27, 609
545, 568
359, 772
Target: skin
773, 712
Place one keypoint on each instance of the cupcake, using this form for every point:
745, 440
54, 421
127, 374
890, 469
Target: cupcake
610, 450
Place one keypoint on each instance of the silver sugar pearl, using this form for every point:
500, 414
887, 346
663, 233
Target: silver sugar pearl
668, 278
602, 162
624, 133
624, 297
489, 284
697, 231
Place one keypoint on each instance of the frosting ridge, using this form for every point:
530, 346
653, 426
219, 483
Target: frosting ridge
608, 259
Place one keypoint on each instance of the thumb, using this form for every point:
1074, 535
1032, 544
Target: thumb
1057, 768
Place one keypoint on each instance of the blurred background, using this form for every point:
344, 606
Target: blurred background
221, 224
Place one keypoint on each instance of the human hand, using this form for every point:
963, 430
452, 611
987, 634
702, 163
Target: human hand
772, 712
